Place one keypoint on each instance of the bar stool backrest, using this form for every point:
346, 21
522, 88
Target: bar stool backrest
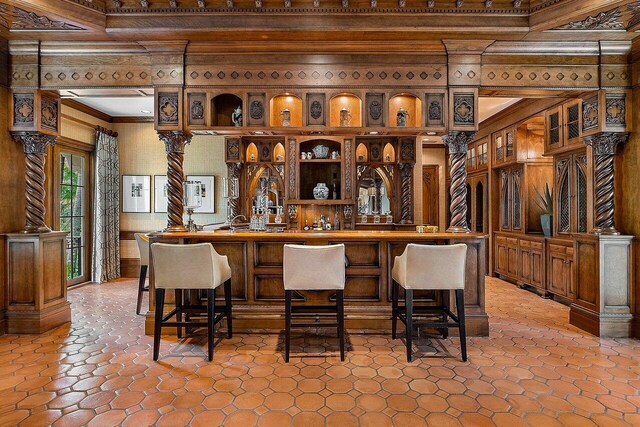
309, 267
194, 266
436, 266
143, 247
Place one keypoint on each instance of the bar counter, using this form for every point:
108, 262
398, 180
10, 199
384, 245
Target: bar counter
258, 292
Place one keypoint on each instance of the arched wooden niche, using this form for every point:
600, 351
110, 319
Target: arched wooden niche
286, 110
278, 153
223, 107
405, 102
389, 153
252, 153
362, 154
345, 110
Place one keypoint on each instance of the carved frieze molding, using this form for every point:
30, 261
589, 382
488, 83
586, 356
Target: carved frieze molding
609, 20
16, 19
309, 75
541, 76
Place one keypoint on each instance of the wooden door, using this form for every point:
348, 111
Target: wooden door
554, 131
537, 267
510, 144
430, 195
572, 123
525, 263
563, 209
502, 256
559, 271
512, 255
498, 148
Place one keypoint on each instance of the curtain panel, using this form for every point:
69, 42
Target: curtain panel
106, 219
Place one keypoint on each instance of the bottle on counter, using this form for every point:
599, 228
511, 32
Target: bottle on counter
253, 223
336, 220
306, 225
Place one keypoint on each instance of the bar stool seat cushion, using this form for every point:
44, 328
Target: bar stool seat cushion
194, 266
308, 268
431, 267
143, 247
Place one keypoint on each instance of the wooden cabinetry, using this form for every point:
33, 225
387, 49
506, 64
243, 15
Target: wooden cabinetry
560, 267
504, 146
573, 204
477, 158
521, 259
511, 206
563, 127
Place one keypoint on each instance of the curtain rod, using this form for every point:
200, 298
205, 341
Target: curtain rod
107, 131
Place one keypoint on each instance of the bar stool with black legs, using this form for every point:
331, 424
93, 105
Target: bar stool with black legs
143, 248
314, 268
427, 267
190, 267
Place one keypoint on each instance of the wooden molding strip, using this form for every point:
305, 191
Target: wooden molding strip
72, 103
122, 119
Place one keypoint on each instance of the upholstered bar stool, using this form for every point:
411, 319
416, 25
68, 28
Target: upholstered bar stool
190, 267
314, 268
426, 267
143, 248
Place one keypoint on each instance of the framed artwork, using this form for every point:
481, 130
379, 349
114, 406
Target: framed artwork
207, 191
136, 193
160, 193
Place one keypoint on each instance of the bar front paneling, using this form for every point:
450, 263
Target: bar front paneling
258, 291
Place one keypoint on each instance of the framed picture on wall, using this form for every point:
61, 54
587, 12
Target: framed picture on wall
136, 193
207, 191
160, 193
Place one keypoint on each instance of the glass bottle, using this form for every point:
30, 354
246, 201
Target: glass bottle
253, 223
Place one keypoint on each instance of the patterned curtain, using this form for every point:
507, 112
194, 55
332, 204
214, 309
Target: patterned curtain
106, 219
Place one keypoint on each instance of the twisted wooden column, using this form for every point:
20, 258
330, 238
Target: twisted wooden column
233, 171
604, 149
35, 152
406, 193
458, 143
174, 142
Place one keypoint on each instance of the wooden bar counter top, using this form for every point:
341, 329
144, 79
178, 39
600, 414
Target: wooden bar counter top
258, 291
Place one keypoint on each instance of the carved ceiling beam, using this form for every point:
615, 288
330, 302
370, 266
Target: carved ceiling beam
566, 12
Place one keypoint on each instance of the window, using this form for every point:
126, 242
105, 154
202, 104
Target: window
72, 212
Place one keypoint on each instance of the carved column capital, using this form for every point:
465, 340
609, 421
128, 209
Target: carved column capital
604, 149
174, 140
35, 150
605, 143
34, 142
457, 141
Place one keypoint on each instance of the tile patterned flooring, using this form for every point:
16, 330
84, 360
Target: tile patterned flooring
533, 370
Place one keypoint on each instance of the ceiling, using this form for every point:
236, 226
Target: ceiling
139, 102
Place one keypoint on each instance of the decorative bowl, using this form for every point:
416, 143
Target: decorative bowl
320, 151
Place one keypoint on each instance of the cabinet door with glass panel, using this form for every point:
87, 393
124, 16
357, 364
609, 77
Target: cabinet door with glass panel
573, 211
72, 213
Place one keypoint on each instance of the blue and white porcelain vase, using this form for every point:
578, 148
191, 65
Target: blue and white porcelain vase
321, 191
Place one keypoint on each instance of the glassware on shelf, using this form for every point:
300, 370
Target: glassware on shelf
321, 191
278, 218
389, 218
376, 219
363, 218
286, 117
192, 200
345, 117
230, 191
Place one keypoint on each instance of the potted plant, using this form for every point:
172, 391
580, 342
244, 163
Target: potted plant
545, 202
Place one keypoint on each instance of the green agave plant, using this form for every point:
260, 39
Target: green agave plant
545, 201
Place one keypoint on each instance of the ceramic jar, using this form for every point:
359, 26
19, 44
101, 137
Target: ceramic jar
321, 191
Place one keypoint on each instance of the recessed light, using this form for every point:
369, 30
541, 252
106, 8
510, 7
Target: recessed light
258, 132
426, 139
374, 132
431, 133
145, 111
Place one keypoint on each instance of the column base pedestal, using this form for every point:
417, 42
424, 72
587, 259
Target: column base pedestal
458, 230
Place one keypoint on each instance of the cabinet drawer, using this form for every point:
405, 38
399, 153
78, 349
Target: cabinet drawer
525, 244
512, 242
501, 239
558, 249
537, 245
